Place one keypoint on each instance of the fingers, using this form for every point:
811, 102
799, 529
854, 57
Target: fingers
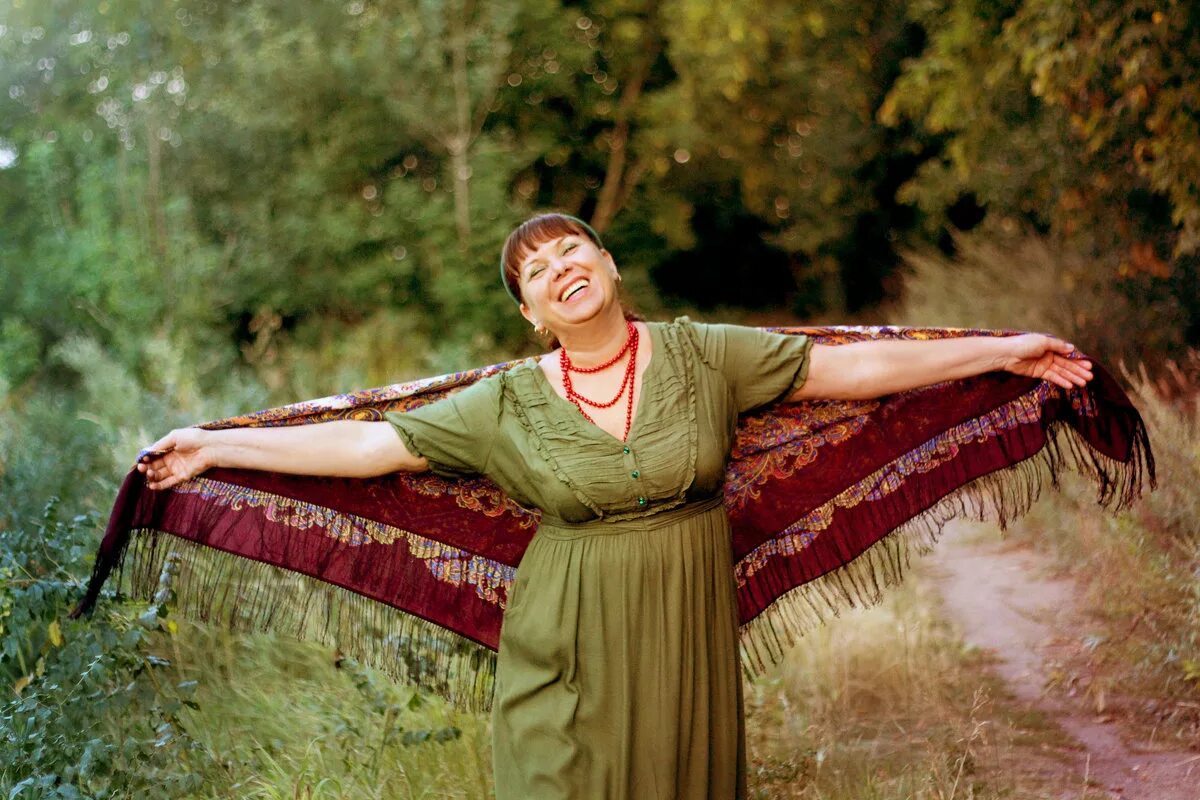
162, 472
1066, 380
1080, 371
1053, 360
153, 456
160, 480
1080, 368
157, 450
1069, 355
1068, 373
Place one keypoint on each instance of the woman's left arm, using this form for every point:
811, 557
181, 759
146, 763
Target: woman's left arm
865, 370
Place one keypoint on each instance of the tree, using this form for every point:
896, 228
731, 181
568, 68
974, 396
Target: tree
1076, 119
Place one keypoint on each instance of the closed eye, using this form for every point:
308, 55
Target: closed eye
539, 266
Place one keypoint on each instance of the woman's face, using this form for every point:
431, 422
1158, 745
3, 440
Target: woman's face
567, 281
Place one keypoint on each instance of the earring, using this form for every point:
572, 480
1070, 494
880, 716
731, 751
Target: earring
539, 329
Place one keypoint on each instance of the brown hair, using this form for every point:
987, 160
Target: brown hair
528, 235
525, 239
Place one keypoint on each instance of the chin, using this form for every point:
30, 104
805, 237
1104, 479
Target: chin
585, 313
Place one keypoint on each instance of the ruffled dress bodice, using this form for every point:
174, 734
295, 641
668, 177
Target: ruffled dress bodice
515, 428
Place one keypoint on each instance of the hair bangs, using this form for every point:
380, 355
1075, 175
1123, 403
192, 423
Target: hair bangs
530, 235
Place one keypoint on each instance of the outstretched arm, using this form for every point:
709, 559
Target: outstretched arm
344, 448
865, 370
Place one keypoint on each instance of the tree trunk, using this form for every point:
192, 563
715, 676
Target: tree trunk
460, 140
615, 190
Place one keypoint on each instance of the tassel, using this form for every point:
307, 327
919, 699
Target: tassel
249, 596
1001, 496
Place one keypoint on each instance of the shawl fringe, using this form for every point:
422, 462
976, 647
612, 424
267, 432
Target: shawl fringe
248, 596
1000, 497
240, 578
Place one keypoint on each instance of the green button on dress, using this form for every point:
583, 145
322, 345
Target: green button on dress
618, 674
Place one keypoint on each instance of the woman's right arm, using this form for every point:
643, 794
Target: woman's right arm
344, 448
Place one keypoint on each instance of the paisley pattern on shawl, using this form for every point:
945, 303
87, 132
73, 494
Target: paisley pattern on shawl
775, 446
412, 572
449, 565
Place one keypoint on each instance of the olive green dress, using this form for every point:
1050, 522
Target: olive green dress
618, 675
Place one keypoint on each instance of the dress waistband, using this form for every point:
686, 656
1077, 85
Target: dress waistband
555, 528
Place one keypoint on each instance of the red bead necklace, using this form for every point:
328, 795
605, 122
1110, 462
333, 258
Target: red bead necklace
631, 347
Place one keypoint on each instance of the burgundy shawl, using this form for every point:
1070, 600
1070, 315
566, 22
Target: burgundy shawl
411, 572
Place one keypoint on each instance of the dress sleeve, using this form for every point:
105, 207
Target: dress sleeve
759, 366
457, 433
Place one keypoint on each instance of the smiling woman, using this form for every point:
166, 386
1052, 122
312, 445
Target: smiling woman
629, 504
618, 672
541, 243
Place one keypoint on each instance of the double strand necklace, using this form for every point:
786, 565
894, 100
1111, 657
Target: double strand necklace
631, 347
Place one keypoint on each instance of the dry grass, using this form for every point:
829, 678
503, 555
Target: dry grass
1140, 575
889, 705
1013, 280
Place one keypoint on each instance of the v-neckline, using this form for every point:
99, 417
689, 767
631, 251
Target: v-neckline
639, 407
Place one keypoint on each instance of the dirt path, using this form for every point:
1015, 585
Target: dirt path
999, 596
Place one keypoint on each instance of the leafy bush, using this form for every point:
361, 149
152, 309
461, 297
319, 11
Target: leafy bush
96, 713
108, 707
390, 709
93, 709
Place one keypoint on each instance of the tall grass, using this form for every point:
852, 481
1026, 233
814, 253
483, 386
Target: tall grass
1008, 279
889, 704
281, 718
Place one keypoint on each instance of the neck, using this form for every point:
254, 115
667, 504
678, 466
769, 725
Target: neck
595, 341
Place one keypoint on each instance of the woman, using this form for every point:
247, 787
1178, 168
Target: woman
618, 671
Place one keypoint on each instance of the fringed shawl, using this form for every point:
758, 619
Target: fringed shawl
411, 572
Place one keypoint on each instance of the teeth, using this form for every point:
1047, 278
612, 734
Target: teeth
570, 290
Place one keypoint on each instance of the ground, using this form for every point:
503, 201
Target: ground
1003, 598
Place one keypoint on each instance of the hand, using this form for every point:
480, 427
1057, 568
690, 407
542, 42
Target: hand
175, 458
1045, 357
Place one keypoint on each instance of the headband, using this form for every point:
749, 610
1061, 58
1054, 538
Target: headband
595, 238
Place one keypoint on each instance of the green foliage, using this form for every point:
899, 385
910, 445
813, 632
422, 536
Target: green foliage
213, 208
89, 707
96, 712
1074, 118
1128, 77
20, 353
242, 177
392, 711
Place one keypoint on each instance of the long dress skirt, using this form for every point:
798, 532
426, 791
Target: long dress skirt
618, 675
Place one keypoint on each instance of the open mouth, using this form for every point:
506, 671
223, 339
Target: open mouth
572, 290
